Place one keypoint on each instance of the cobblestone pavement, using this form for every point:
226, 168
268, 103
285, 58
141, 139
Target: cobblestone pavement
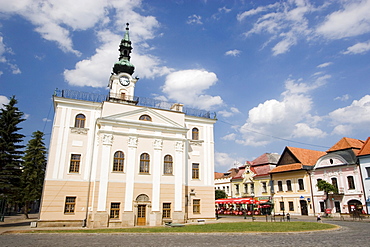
351, 233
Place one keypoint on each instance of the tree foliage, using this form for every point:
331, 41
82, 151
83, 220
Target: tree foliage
34, 165
327, 188
10, 150
219, 194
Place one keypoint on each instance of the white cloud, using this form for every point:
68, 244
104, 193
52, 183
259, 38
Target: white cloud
229, 113
3, 51
46, 120
323, 65
352, 20
229, 137
342, 130
242, 16
358, 48
286, 118
194, 19
223, 161
303, 130
344, 97
188, 86
356, 113
3, 101
233, 53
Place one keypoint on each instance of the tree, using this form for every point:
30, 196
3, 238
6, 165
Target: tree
327, 188
10, 150
219, 194
33, 173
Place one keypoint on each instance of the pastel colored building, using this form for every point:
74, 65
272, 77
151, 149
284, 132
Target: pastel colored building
120, 160
364, 161
223, 180
339, 166
292, 182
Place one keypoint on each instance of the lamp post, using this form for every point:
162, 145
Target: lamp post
282, 200
252, 206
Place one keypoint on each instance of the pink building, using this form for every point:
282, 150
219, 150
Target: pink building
340, 168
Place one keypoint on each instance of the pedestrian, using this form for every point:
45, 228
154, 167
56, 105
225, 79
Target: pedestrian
318, 218
288, 217
216, 211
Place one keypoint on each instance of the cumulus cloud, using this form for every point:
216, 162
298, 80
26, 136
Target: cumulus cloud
229, 137
356, 113
3, 101
223, 161
286, 118
359, 48
194, 19
342, 130
233, 53
188, 86
352, 20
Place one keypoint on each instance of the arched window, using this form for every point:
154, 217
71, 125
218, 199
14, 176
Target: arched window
118, 161
80, 121
168, 164
145, 118
144, 163
195, 134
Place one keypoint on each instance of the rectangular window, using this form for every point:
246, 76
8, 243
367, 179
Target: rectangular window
282, 208
237, 188
351, 183
337, 206
166, 210
322, 206
196, 206
114, 210
70, 205
334, 182
291, 206
246, 188
195, 171
264, 187
300, 184
289, 185
318, 180
368, 171
280, 186
75, 163
252, 188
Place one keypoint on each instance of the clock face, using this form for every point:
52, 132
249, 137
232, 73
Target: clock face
124, 81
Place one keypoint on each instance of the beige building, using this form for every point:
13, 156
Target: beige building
124, 161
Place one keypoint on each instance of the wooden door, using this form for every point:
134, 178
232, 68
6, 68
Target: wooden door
304, 209
141, 212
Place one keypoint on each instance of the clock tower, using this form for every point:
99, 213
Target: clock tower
121, 82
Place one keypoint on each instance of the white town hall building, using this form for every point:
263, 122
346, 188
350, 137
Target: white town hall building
126, 161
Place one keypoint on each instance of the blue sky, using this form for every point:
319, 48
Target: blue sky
277, 73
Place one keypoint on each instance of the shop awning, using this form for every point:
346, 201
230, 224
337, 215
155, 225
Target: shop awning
247, 200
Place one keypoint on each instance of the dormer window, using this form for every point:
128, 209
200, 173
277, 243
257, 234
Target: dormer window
145, 118
80, 121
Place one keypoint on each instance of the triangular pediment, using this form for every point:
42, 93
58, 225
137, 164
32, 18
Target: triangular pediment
133, 116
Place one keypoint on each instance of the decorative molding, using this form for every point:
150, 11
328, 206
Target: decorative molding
158, 144
132, 141
196, 142
80, 131
179, 146
107, 139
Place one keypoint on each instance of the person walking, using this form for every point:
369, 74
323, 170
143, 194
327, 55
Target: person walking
318, 218
288, 217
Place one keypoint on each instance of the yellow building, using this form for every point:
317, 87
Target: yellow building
292, 182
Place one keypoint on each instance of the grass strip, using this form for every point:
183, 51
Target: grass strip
296, 226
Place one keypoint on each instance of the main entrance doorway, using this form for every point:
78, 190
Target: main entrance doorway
141, 215
304, 210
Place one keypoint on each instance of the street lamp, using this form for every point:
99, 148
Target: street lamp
282, 200
252, 206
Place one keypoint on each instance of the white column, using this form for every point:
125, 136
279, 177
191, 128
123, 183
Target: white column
178, 170
130, 173
156, 174
104, 171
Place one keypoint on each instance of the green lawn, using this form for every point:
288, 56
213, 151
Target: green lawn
217, 227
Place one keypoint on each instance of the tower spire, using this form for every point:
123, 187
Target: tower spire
124, 64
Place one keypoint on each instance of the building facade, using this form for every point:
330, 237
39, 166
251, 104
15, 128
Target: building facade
119, 162
364, 161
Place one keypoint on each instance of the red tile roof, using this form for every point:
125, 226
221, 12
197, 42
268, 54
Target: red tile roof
365, 150
218, 175
306, 157
285, 168
346, 143
266, 158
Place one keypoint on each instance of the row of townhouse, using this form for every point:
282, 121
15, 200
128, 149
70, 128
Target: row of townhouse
289, 181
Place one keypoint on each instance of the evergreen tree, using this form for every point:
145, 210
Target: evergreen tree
34, 165
10, 150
